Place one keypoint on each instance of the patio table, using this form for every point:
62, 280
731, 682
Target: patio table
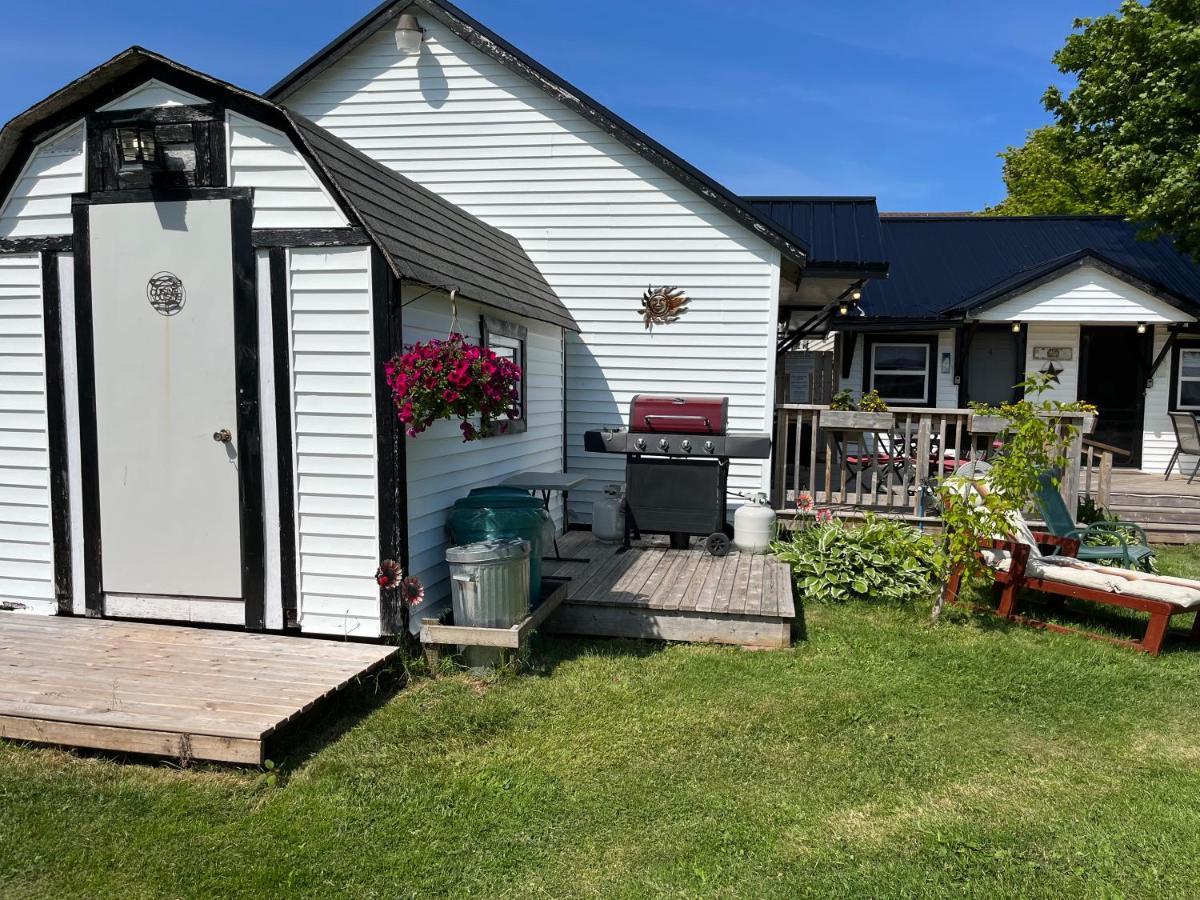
546, 483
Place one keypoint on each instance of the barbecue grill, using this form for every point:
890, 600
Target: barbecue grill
677, 452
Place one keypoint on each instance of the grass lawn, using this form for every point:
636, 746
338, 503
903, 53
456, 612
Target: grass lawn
881, 757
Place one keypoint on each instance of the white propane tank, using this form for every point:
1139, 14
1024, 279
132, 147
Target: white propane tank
608, 515
754, 525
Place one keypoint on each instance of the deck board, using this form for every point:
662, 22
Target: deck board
168, 690
652, 591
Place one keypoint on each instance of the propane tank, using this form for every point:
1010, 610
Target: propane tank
754, 525
608, 515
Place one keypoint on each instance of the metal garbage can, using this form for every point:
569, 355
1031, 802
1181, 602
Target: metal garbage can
494, 513
489, 588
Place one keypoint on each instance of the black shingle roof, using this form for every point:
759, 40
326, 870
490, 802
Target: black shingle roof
942, 265
841, 232
432, 241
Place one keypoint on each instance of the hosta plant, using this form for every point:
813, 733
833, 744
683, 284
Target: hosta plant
880, 560
453, 379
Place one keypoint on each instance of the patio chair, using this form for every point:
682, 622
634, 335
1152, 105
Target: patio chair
1099, 541
1017, 562
1187, 440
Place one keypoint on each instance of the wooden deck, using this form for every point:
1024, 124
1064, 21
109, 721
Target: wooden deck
676, 595
189, 693
1168, 510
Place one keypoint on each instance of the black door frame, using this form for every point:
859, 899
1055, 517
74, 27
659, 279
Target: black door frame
1141, 360
246, 374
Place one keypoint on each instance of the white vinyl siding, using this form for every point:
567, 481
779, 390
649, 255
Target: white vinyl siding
286, 192
1085, 295
26, 539
40, 201
153, 93
600, 222
1055, 334
442, 468
1158, 434
334, 382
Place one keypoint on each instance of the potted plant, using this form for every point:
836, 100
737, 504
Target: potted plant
984, 419
869, 414
453, 379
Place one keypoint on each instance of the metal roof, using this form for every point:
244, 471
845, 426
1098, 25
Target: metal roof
945, 265
424, 237
487, 41
841, 232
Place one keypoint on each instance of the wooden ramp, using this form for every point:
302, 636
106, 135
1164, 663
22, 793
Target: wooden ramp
675, 595
164, 690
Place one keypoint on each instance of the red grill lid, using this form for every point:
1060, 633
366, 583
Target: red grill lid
680, 415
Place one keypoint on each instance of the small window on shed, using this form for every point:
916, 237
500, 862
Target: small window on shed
507, 340
162, 147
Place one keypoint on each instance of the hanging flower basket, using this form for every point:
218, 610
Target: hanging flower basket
453, 379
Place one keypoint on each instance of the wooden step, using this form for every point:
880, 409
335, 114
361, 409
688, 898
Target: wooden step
1181, 500
1144, 514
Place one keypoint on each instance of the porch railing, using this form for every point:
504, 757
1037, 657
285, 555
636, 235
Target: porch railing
892, 469
1097, 464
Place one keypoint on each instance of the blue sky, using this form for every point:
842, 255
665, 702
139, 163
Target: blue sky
906, 100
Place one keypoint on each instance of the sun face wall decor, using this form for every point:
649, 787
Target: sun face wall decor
662, 305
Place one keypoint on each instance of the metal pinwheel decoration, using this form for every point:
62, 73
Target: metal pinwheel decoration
662, 305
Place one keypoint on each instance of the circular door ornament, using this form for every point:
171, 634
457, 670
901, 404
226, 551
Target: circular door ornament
165, 292
662, 305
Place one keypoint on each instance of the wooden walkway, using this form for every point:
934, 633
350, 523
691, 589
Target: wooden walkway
164, 690
676, 595
1169, 510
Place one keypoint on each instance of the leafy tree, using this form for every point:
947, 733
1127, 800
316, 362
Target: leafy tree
1132, 120
1045, 177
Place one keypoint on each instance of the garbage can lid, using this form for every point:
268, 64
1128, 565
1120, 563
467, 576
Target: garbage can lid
489, 551
498, 501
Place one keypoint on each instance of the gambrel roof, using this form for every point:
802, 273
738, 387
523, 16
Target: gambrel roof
424, 237
484, 39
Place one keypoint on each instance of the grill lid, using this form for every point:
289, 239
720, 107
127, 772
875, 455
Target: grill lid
679, 415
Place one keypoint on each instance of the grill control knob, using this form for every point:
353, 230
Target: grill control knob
640, 443
708, 447
663, 444
685, 445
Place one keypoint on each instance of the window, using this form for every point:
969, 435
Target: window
163, 147
507, 340
901, 370
1185, 390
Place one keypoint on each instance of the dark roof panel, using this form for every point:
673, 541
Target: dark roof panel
941, 263
841, 232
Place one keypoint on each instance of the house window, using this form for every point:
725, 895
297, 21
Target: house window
507, 340
901, 370
1187, 378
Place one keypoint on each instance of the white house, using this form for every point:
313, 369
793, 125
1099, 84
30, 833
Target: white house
972, 304
198, 292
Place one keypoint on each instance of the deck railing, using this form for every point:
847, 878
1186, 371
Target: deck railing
887, 467
1097, 465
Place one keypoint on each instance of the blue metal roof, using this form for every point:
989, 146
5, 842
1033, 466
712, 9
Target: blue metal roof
840, 232
945, 264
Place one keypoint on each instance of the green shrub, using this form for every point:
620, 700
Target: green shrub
872, 402
842, 400
881, 560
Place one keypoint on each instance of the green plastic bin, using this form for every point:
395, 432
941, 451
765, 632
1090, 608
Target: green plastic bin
496, 513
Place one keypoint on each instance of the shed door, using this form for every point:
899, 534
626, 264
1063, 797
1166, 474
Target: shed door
163, 319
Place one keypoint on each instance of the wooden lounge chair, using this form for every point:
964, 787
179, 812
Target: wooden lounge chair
1100, 541
1019, 566
1187, 440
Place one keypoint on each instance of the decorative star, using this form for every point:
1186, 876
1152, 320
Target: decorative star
1053, 371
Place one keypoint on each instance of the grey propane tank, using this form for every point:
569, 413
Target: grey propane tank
754, 525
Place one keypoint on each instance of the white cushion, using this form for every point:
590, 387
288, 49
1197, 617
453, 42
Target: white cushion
1182, 592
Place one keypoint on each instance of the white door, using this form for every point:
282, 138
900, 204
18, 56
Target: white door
162, 313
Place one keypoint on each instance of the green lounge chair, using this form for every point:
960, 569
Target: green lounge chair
1110, 540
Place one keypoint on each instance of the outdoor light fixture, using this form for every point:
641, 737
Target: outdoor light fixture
1016, 327
409, 34
138, 149
843, 307
1141, 327
856, 295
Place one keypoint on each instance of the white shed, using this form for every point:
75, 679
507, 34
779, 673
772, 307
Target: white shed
198, 291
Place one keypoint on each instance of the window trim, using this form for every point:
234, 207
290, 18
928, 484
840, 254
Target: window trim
1181, 345
488, 327
929, 342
